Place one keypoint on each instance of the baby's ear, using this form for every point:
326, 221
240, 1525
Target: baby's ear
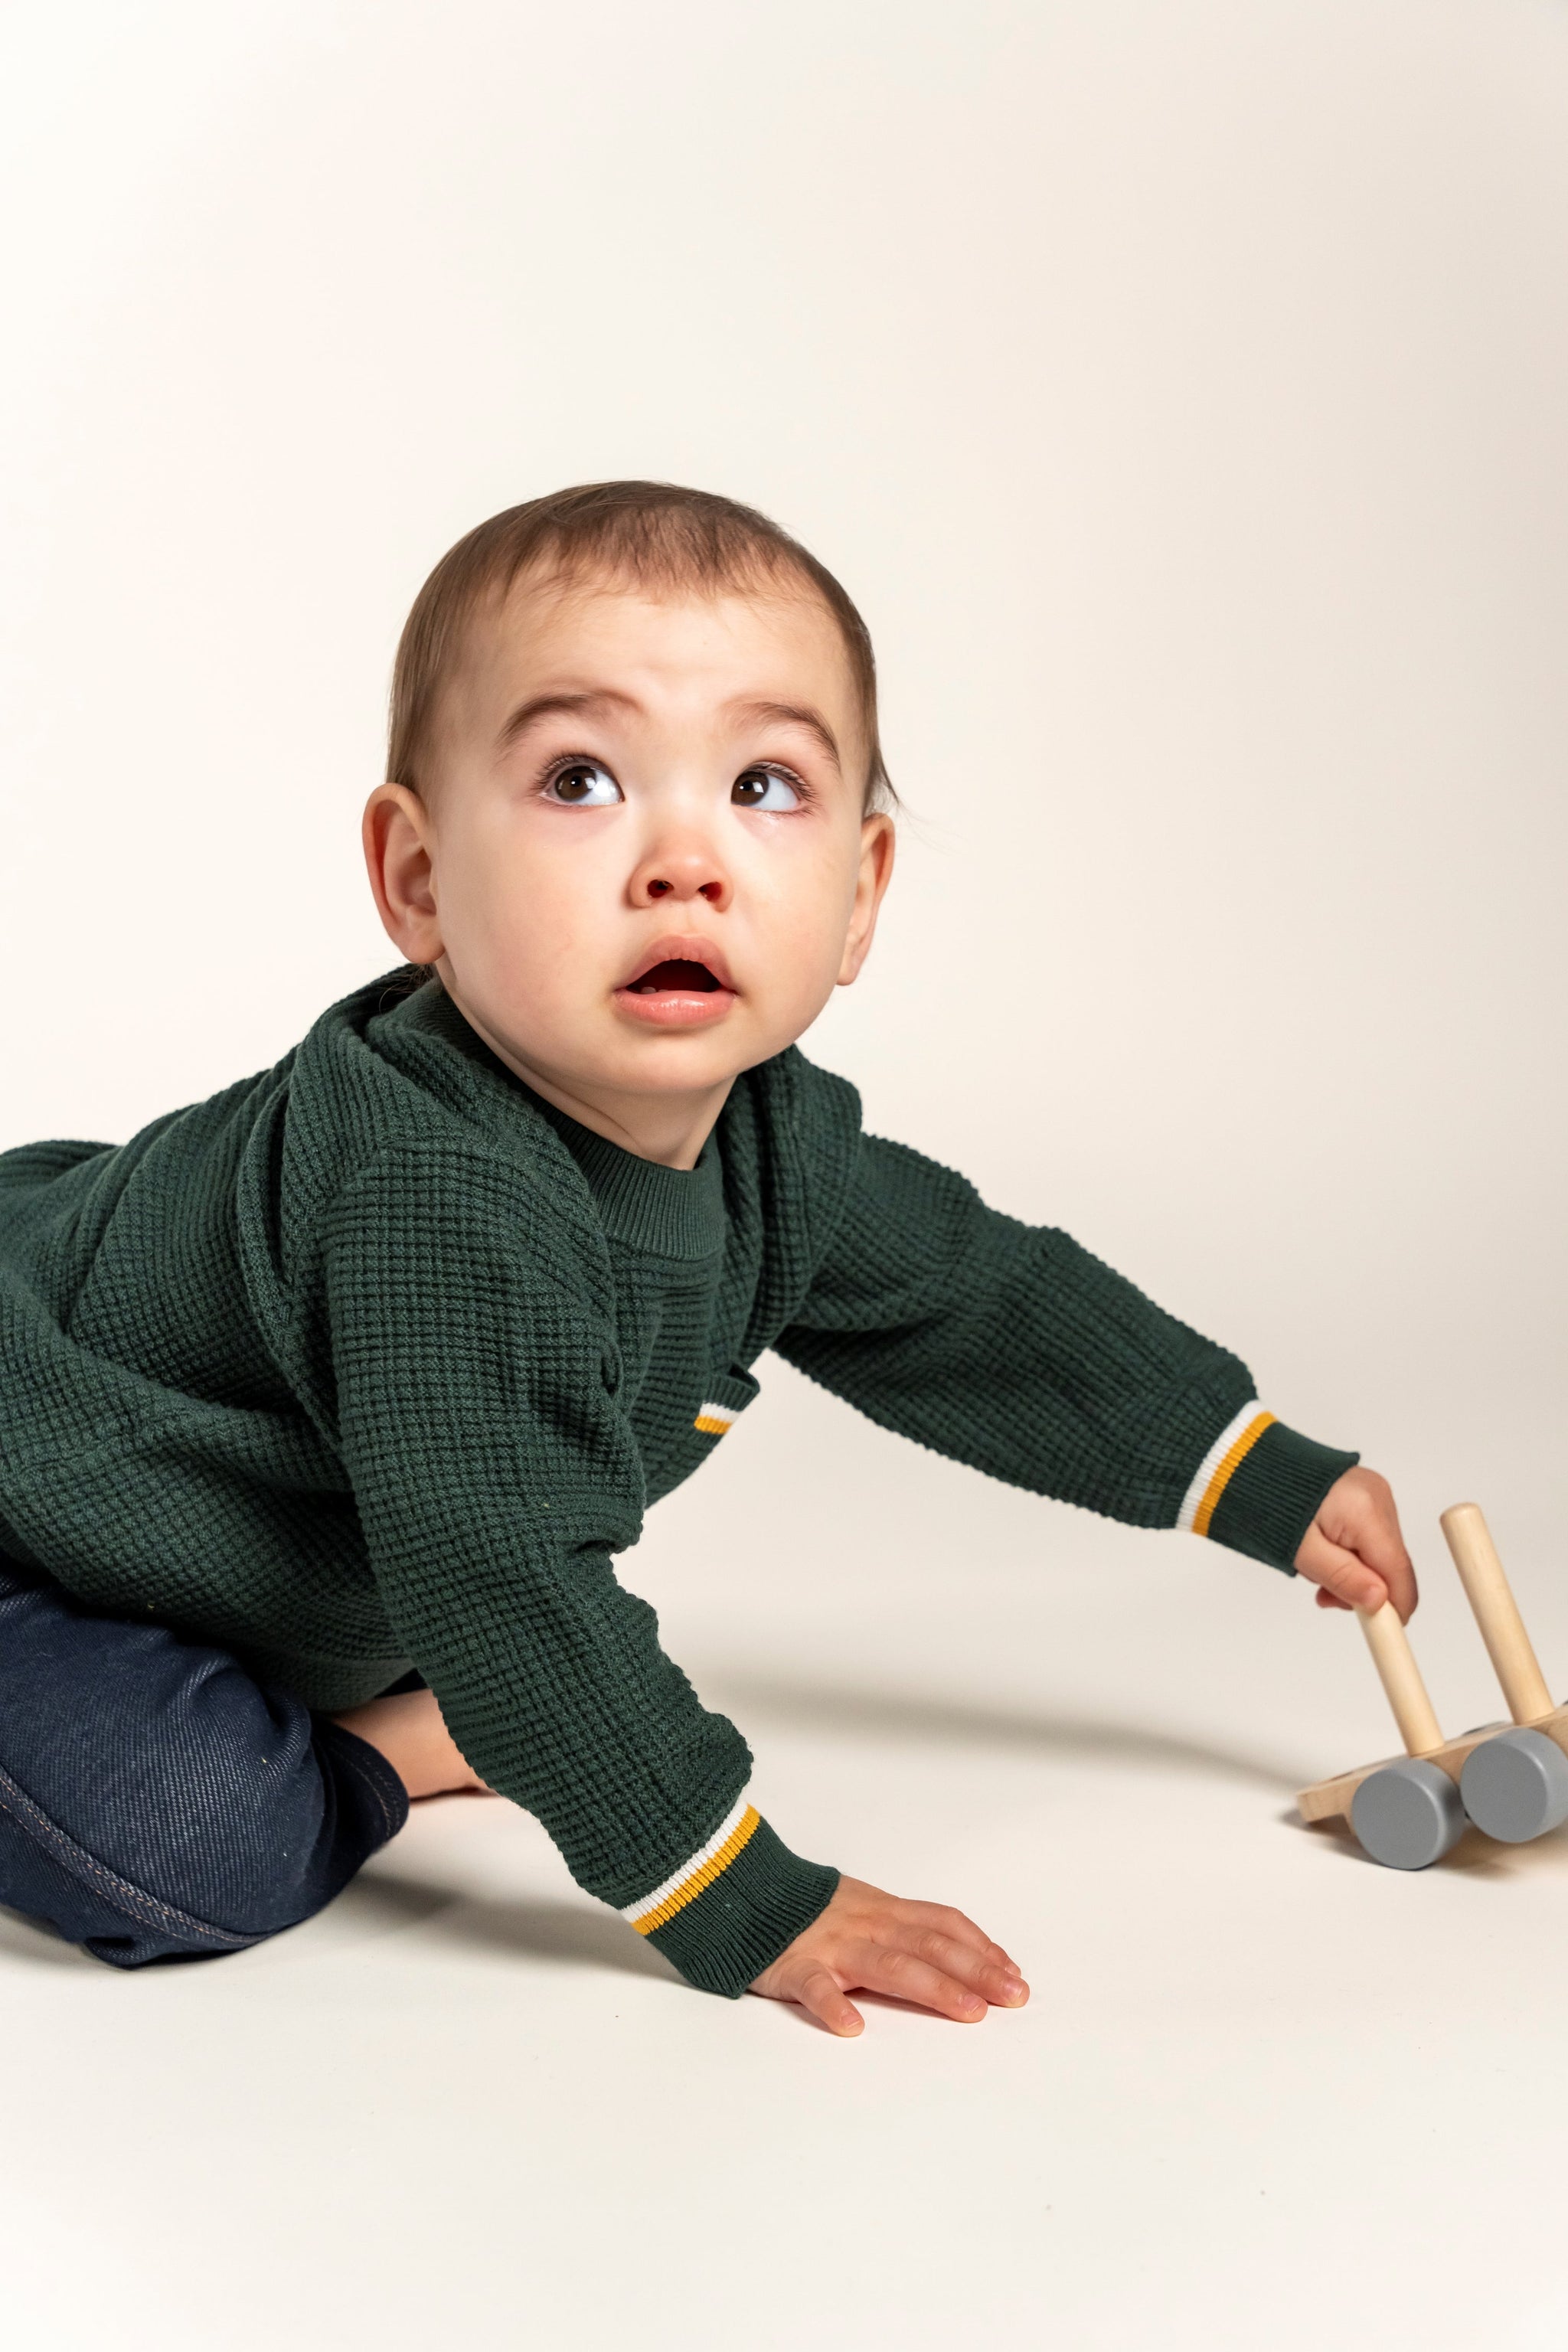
398, 858
877, 843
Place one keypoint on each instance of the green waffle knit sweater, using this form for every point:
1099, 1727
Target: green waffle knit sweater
374, 1361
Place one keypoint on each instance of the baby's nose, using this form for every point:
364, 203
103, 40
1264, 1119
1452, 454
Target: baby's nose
683, 874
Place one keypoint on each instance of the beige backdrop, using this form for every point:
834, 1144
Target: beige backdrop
1180, 386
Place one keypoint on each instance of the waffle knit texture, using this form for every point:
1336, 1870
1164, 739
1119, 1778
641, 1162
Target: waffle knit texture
374, 1361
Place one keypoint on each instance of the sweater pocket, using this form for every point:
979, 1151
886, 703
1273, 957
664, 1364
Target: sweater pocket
677, 1433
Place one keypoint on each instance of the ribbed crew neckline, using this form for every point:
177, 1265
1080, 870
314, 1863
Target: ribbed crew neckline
674, 1212
668, 1212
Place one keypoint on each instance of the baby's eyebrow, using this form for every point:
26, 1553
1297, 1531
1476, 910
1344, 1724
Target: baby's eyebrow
791, 714
561, 704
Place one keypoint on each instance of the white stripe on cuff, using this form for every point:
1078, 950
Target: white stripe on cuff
1211, 1462
725, 1831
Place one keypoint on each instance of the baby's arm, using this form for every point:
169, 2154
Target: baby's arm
474, 1377
1011, 1347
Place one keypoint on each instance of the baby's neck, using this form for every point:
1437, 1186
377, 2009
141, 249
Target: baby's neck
671, 1128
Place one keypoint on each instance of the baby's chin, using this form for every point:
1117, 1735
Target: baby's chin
665, 1056
632, 1057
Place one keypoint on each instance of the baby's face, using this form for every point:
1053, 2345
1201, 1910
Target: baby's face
643, 865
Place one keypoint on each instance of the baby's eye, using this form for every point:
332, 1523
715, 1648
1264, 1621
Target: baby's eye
582, 784
763, 788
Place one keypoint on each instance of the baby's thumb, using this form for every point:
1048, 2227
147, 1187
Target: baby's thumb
1340, 1572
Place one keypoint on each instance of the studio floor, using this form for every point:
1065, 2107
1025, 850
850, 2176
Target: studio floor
1266, 2094
1178, 386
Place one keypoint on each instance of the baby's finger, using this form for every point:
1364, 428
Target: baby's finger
1384, 1551
823, 1999
892, 1970
944, 1920
989, 1972
1340, 1572
958, 1926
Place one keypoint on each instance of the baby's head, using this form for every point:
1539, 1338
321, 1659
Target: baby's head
636, 814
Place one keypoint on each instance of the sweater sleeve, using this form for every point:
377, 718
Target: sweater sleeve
494, 1474
1008, 1346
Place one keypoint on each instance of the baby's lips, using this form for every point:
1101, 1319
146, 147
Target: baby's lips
683, 947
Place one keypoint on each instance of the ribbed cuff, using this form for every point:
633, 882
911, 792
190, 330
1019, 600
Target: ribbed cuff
1272, 1495
742, 1918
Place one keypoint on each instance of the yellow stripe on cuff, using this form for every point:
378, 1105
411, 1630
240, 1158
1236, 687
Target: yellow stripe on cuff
1230, 1463
704, 1869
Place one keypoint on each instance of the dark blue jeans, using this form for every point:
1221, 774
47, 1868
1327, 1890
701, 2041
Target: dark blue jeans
156, 1803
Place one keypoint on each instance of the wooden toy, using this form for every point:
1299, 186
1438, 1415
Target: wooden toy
1514, 1785
1512, 1779
1406, 1810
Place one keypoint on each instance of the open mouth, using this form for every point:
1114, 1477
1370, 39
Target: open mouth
683, 982
676, 976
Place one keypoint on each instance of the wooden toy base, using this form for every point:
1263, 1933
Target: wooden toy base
1326, 1798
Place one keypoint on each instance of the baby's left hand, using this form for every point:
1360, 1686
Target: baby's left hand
1354, 1551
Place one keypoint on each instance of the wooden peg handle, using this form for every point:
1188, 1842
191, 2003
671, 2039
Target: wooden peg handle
1496, 1613
1401, 1679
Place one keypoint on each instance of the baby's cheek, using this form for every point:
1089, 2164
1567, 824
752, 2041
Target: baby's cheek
786, 988
513, 978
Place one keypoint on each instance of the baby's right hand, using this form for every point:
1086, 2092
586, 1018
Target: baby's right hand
919, 1952
1354, 1551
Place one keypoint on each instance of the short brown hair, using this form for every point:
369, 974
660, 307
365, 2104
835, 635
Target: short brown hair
654, 534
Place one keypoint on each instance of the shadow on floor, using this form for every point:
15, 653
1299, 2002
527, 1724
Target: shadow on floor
580, 1934
22, 1938
925, 1715
1475, 1856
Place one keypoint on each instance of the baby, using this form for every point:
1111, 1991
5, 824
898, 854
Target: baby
325, 1404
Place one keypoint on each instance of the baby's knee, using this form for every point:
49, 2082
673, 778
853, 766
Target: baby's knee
266, 1811
156, 1802
178, 1850
230, 1834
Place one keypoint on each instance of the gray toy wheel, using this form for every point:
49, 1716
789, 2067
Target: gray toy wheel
1515, 1786
1408, 1814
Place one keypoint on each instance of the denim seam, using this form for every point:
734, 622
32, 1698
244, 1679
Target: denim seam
368, 1780
133, 1900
